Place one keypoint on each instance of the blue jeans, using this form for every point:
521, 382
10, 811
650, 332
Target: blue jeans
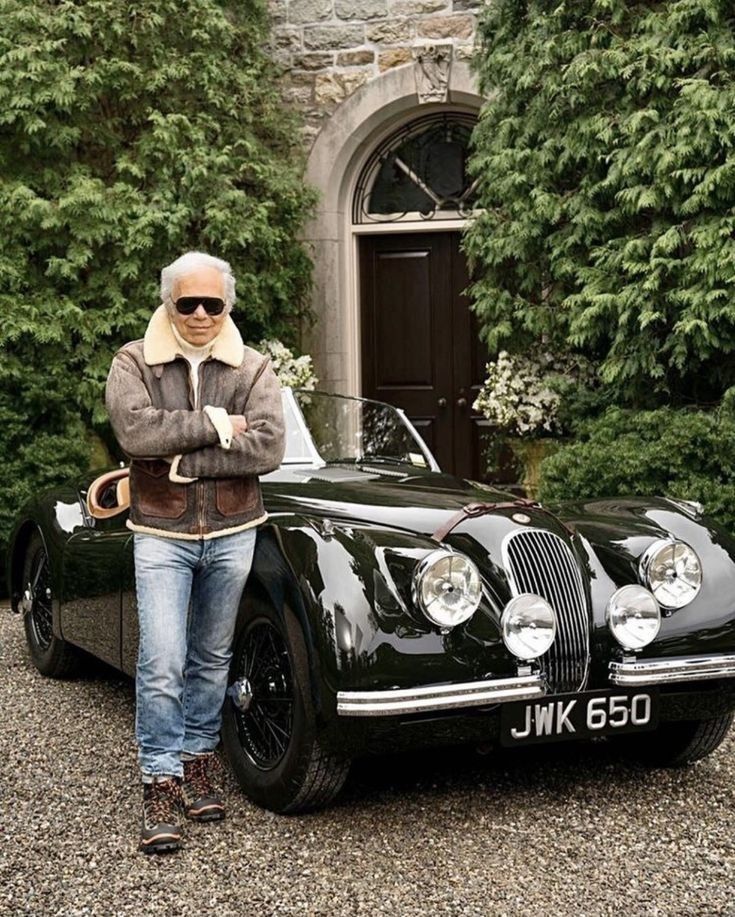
188, 595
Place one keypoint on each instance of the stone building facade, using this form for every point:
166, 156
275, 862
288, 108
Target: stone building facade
330, 48
387, 94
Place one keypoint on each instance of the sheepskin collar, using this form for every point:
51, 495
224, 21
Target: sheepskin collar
160, 345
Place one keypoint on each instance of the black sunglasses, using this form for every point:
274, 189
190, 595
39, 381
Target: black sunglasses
186, 305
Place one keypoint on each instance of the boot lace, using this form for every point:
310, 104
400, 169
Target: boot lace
162, 802
198, 774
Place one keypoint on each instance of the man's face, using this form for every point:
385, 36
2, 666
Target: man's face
199, 328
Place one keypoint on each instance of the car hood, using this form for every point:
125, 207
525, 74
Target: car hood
416, 502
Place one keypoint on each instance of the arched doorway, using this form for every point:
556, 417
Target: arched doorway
344, 164
420, 347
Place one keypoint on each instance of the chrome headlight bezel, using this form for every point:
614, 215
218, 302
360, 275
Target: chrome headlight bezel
544, 610
624, 597
445, 621
646, 571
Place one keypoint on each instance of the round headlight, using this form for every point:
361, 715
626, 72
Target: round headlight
447, 588
633, 616
672, 572
529, 626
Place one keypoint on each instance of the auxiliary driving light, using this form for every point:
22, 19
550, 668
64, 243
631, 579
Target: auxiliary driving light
529, 626
633, 616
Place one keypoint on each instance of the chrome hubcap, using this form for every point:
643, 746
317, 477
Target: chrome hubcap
263, 695
241, 693
26, 603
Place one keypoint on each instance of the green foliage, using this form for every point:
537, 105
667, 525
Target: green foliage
664, 452
130, 133
34, 455
605, 156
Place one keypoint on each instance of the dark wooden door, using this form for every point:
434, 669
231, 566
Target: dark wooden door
420, 346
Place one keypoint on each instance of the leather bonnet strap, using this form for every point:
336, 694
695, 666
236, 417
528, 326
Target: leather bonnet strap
471, 510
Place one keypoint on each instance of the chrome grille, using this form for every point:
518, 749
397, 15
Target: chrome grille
540, 562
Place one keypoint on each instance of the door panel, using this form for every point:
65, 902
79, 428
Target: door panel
90, 604
420, 344
405, 317
473, 432
405, 284
129, 631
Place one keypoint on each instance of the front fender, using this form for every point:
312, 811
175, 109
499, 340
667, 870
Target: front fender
350, 587
616, 534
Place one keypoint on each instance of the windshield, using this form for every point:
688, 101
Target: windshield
337, 429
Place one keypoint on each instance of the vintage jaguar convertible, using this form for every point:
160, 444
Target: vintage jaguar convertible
393, 606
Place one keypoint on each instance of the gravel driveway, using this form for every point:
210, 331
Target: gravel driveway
564, 830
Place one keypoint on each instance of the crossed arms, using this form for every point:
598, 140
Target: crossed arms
190, 437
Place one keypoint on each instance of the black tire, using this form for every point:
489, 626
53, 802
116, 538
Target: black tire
51, 655
677, 744
282, 766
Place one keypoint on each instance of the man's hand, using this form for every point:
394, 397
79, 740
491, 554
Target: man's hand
239, 423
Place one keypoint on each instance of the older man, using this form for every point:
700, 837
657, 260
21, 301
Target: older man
199, 414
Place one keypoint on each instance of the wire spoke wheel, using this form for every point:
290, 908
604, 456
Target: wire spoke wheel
39, 589
269, 727
50, 653
265, 725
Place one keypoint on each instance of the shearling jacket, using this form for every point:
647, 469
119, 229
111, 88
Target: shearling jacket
189, 478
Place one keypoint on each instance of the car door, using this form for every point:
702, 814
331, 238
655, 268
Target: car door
128, 610
90, 601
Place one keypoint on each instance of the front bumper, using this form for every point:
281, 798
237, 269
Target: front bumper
627, 673
633, 672
440, 697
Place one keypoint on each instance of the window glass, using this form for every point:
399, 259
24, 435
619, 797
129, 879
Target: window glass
421, 170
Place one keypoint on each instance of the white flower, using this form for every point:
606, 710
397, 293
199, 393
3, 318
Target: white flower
293, 372
516, 396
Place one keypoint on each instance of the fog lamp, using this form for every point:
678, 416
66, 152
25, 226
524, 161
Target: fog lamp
633, 616
529, 626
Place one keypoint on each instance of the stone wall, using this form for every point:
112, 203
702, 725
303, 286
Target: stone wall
329, 48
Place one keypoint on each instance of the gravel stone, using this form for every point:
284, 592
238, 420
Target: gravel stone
542, 831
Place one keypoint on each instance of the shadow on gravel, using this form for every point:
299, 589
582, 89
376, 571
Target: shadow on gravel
94, 669
567, 767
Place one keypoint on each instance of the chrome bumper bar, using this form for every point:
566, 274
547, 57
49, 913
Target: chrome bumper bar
662, 671
440, 697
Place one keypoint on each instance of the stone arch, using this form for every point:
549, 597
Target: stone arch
339, 150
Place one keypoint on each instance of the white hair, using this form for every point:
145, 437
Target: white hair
189, 262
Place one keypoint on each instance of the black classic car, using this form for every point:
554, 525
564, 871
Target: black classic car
392, 606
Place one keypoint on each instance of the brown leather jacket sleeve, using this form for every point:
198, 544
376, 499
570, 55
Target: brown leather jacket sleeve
257, 451
144, 431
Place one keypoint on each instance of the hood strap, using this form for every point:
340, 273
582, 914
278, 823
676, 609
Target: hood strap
471, 510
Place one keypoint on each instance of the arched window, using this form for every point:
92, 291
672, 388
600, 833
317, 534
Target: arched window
419, 172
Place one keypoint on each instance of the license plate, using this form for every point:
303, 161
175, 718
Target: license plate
578, 716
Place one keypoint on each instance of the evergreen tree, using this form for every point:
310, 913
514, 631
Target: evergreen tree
606, 163
129, 133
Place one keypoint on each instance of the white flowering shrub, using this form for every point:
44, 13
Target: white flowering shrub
293, 372
517, 395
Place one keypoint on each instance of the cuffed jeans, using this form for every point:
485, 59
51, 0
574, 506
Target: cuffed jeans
188, 595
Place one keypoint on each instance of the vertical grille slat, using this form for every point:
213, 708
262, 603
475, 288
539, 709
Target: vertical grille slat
579, 623
537, 554
540, 562
576, 640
